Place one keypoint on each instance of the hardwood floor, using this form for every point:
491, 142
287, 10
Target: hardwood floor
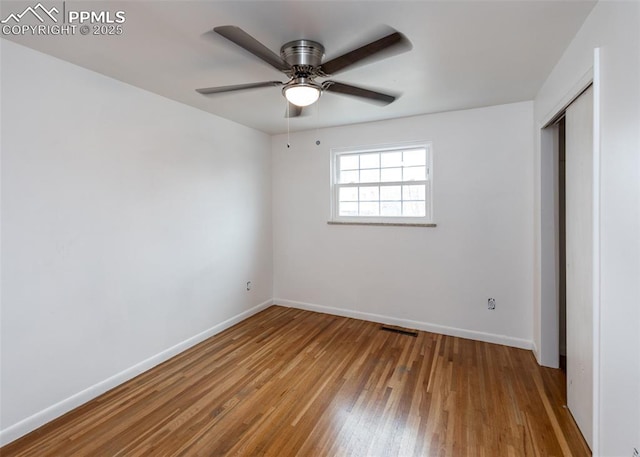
287, 382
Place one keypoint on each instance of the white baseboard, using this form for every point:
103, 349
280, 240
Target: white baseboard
416, 325
31, 423
535, 351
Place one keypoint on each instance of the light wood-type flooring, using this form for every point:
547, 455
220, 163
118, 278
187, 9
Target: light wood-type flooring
287, 382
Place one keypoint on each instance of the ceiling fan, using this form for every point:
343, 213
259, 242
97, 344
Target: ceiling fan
301, 61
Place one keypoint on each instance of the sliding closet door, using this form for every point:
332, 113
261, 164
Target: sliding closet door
579, 260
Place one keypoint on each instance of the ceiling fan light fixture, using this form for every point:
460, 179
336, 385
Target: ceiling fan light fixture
302, 94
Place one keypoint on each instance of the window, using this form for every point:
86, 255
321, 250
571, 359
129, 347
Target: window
389, 184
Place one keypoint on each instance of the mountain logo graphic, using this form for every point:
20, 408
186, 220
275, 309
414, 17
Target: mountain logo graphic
34, 11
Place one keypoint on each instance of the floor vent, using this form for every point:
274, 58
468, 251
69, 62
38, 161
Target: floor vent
399, 330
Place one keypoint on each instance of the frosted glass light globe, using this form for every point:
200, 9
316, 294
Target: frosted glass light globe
302, 95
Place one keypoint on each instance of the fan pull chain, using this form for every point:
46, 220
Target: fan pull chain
318, 123
288, 132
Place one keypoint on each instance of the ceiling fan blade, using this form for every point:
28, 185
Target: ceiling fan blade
354, 91
293, 110
393, 40
221, 89
246, 41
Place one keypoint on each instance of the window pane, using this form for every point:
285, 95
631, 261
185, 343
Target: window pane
347, 177
414, 157
383, 184
369, 194
390, 209
369, 209
413, 209
348, 209
349, 162
370, 175
414, 174
370, 160
391, 174
413, 192
390, 193
391, 159
348, 194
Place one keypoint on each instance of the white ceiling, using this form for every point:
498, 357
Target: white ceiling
465, 54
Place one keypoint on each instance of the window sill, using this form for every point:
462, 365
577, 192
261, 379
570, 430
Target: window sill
383, 224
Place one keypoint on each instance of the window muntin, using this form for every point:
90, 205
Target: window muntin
387, 184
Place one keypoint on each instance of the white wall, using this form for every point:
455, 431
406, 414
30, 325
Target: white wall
612, 27
432, 278
130, 224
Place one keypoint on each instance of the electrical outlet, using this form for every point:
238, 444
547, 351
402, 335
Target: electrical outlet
491, 303
248, 285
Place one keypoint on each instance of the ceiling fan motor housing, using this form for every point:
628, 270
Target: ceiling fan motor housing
302, 53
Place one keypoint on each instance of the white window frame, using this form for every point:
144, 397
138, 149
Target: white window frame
335, 186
